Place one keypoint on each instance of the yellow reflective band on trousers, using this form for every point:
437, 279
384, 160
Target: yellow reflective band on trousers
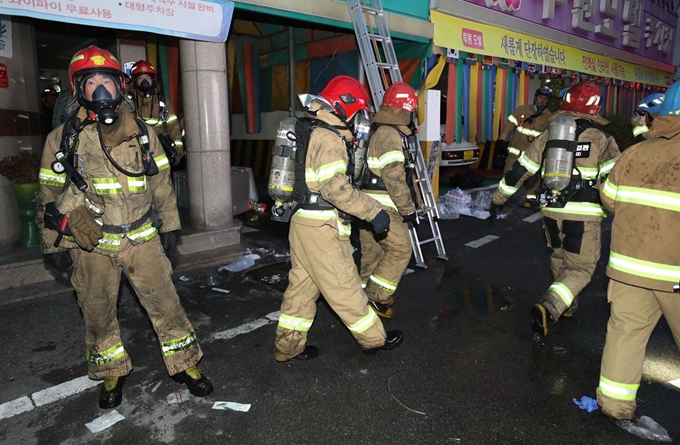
383, 199
644, 269
99, 358
383, 283
365, 323
563, 291
48, 177
514, 151
107, 186
506, 189
295, 323
619, 391
578, 208
181, 344
323, 215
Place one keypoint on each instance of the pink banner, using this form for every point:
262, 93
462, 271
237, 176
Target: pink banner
642, 27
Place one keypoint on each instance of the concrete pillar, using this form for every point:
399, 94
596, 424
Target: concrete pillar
205, 98
20, 103
130, 47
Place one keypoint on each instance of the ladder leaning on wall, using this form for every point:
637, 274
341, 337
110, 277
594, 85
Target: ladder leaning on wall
382, 70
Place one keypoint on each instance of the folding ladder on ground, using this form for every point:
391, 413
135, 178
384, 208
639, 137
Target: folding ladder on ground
382, 70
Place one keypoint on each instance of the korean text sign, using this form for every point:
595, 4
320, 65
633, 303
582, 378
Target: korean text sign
207, 20
456, 33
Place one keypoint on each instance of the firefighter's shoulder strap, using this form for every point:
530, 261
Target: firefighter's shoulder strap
302, 197
371, 181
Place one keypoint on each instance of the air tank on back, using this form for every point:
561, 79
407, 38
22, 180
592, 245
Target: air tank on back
559, 153
282, 175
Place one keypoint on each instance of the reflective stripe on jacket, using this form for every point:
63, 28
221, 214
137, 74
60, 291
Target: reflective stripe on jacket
643, 193
326, 174
125, 199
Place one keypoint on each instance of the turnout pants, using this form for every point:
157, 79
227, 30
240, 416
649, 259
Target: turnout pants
635, 312
384, 259
532, 184
575, 251
96, 280
322, 263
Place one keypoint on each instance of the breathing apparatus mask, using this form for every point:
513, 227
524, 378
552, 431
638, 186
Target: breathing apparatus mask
146, 88
105, 97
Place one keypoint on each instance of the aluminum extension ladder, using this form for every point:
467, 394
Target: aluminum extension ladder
382, 70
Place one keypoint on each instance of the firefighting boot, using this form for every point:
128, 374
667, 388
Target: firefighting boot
310, 352
111, 394
198, 384
539, 319
383, 310
531, 203
394, 339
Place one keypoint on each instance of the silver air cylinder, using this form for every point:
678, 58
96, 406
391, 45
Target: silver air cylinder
362, 126
559, 158
282, 176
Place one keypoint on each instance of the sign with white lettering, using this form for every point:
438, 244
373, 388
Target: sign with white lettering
5, 37
524, 49
643, 27
190, 19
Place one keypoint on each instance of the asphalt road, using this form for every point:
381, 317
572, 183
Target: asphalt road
469, 371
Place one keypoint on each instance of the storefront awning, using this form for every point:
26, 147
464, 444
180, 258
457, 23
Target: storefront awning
456, 33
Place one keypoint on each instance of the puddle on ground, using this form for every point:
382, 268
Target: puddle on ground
469, 294
274, 275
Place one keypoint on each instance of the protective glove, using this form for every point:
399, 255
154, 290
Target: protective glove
586, 403
381, 222
60, 260
501, 147
411, 218
169, 242
84, 228
495, 210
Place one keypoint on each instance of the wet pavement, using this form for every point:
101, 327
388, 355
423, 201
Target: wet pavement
468, 372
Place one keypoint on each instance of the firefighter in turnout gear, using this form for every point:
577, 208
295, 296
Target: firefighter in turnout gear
572, 216
646, 110
527, 122
643, 193
320, 249
155, 110
385, 257
105, 193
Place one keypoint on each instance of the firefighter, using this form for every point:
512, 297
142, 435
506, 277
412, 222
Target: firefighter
527, 122
643, 193
320, 249
103, 201
385, 257
573, 215
155, 110
646, 110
